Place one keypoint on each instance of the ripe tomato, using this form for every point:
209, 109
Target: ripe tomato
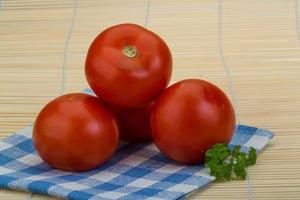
128, 66
134, 124
75, 133
190, 117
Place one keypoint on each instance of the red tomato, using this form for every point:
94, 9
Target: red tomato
128, 66
190, 117
134, 124
75, 133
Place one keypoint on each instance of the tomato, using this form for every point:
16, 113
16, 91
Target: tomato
128, 66
75, 132
190, 117
134, 124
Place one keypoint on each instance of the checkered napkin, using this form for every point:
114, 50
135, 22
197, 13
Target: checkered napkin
136, 171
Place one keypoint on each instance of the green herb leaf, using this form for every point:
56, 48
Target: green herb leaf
239, 168
225, 164
252, 156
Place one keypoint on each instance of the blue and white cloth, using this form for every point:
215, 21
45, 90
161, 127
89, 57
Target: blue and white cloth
136, 171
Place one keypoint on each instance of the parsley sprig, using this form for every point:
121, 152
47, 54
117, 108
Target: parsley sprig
226, 164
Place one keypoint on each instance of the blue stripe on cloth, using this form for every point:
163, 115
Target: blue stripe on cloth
40, 186
176, 178
79, 195
5, 180
265, 133
136, 171
15, 139
247, 133
5, 159
26, 146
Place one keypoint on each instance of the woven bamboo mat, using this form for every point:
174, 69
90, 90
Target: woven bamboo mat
251, 49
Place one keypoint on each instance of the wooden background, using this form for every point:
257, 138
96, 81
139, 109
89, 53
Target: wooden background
251, 49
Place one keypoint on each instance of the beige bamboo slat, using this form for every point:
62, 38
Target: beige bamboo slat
259, 41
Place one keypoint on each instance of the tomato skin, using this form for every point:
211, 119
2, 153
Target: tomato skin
189, 118
123, 81
75, 132
134, 124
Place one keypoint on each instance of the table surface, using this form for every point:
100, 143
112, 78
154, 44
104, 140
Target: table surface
251, 49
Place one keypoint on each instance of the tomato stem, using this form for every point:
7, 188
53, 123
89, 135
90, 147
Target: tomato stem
130, 51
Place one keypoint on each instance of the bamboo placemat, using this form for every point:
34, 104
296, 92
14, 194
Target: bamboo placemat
251, 49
